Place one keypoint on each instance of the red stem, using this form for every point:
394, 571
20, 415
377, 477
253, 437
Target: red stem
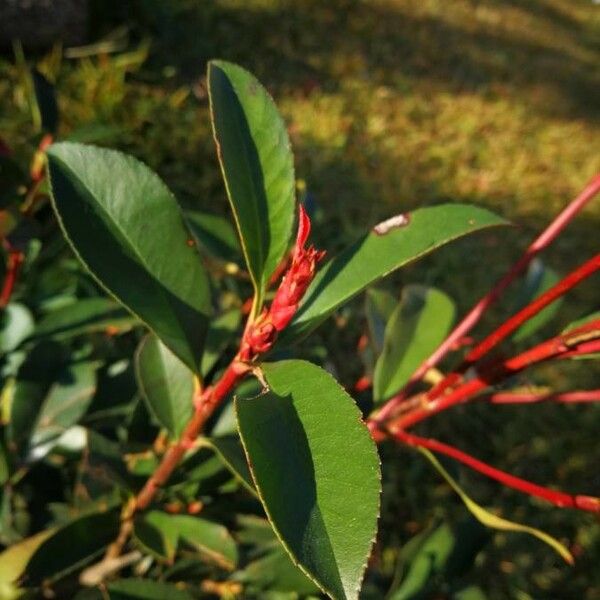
557, 498
205, 405
13, 266
532, 397
508, 327
570, 344
532, 309
475, 314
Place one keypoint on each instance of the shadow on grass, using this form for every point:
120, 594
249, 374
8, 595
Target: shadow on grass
302, 44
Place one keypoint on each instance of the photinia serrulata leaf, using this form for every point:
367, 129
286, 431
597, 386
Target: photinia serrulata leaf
316, 470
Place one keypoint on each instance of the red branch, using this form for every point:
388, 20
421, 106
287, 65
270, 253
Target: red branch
533, 397
475, 314
561, 499
532, 309
13, 266
508, 327
583, 340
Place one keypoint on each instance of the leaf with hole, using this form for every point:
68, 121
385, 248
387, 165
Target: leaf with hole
376, 255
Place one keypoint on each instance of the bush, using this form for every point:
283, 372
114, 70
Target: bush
218, 458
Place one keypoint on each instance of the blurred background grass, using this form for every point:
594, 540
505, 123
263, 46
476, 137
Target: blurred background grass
391, 104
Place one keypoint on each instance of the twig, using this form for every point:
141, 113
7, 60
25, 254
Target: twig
475, 314
533, 397
511, 325
97, 573
13, 266
561, 499
582, 340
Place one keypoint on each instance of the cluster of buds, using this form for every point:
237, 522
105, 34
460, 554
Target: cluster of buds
261, 333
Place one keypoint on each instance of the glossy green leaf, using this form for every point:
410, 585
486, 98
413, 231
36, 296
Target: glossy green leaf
273, 571
257, 164
221, 332
14, 559
229, 449
379, 306
374, 256
491, 520
166, 384
73, 546
215, 234
276, 572
66, 402
84, 316
316, 470
440, 554
418, 325
145, 589
538, 279
161, 533
25, 394
471, 592
16, 323
125, 226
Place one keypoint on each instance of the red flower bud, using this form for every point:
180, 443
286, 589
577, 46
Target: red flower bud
262, 332
297, 278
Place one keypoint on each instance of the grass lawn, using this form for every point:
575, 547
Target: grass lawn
392, 105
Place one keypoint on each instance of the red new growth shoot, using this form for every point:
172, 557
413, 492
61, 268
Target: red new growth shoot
259, 337
297, 278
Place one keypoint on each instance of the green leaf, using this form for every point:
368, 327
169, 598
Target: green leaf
229, 449
145, 589
215, 234
316, 470
471, 592
72, 546
67, 401
491, 520
85, 316
161, 533
221, 332
538, 279
152, 532
14, 559
582, 321
276, 572
258, 167
166, 384
16, 323
379, 306
374, 256
125, 226
418, 325
440, 554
